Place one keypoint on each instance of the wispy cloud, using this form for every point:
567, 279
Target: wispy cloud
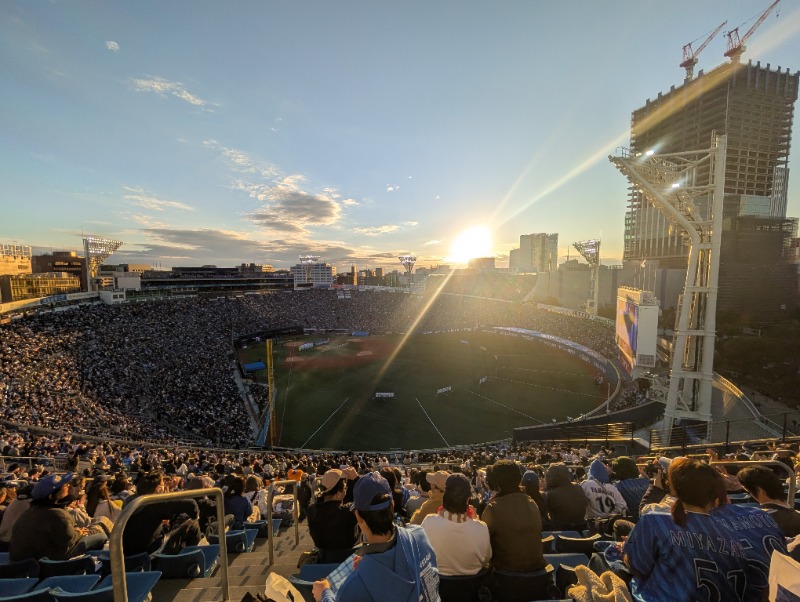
376, 230
411, 224
431, 243
166, 88
112, 46
288, 204
141, 198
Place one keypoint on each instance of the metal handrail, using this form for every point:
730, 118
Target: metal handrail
29, 461
784, 467
117, 555
295, 515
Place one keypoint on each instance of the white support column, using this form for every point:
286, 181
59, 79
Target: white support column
667, 183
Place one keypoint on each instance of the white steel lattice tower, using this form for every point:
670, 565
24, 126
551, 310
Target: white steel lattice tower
96, 251
590, 249
308, 261
668, 182
408, 262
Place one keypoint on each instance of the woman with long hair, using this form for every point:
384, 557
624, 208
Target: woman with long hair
99, 502
694, 553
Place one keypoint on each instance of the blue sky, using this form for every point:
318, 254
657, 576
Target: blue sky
208, 132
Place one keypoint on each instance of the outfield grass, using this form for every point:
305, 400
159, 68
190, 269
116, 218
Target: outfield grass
326, 395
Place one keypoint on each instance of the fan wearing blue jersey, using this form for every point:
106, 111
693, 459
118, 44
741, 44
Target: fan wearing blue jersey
689, 555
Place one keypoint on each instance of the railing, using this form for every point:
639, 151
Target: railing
727, 433
29, 461
115, 541
295, 515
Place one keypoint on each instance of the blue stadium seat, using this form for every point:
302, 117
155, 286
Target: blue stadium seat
239, 541
5, 557
22, 568
42, 595
191, 562
80, 565
260, 526
462, 588
572, 560
521, 587
15, 587
558, 533
139, 587
69, 583
580, 545
133, 563
276, 526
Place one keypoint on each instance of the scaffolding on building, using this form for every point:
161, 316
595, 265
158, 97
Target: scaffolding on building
96, 250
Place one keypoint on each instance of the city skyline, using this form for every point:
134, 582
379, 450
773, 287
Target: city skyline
199, 133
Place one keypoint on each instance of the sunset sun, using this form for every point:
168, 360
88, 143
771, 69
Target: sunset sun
471, 243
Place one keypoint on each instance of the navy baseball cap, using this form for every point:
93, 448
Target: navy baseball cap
48, 485
366, 488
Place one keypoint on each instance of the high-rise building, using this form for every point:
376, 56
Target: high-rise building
754, 107
536, 253
319, 274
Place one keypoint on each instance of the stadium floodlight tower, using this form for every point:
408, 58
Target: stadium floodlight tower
308, 262
590, 249
669, 182
97, 250
408, 262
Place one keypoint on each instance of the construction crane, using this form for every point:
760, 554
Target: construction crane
736, 45
690, 55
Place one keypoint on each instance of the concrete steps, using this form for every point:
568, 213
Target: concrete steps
247, 572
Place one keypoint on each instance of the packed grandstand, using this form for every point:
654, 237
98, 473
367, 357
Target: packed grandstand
108, 403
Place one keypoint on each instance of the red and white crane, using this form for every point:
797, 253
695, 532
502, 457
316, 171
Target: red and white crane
690, 55
736, 45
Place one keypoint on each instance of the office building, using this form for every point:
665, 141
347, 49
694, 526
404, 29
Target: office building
536, 253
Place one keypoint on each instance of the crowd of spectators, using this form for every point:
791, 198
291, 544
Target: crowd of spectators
165, 369
480, 507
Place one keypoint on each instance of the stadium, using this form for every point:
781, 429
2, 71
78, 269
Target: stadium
452, 381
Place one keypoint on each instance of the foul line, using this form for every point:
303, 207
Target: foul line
502, 405
324, 423
432, 424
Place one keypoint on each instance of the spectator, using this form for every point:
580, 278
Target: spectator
423, 489
331, 524
15, 509
396, 565
631, 485
664, 558
460, 540
145, 530
514, 522
235, 501
99, 502
764, 487
565, 500
530, 485
437, 482
603, 498
46, 529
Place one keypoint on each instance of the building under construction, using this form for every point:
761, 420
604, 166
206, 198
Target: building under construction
754, 106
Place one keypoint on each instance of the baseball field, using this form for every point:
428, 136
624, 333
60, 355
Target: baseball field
386, 392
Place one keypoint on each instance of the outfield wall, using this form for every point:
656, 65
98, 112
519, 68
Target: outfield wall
589, 356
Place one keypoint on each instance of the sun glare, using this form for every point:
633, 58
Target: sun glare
471, 243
